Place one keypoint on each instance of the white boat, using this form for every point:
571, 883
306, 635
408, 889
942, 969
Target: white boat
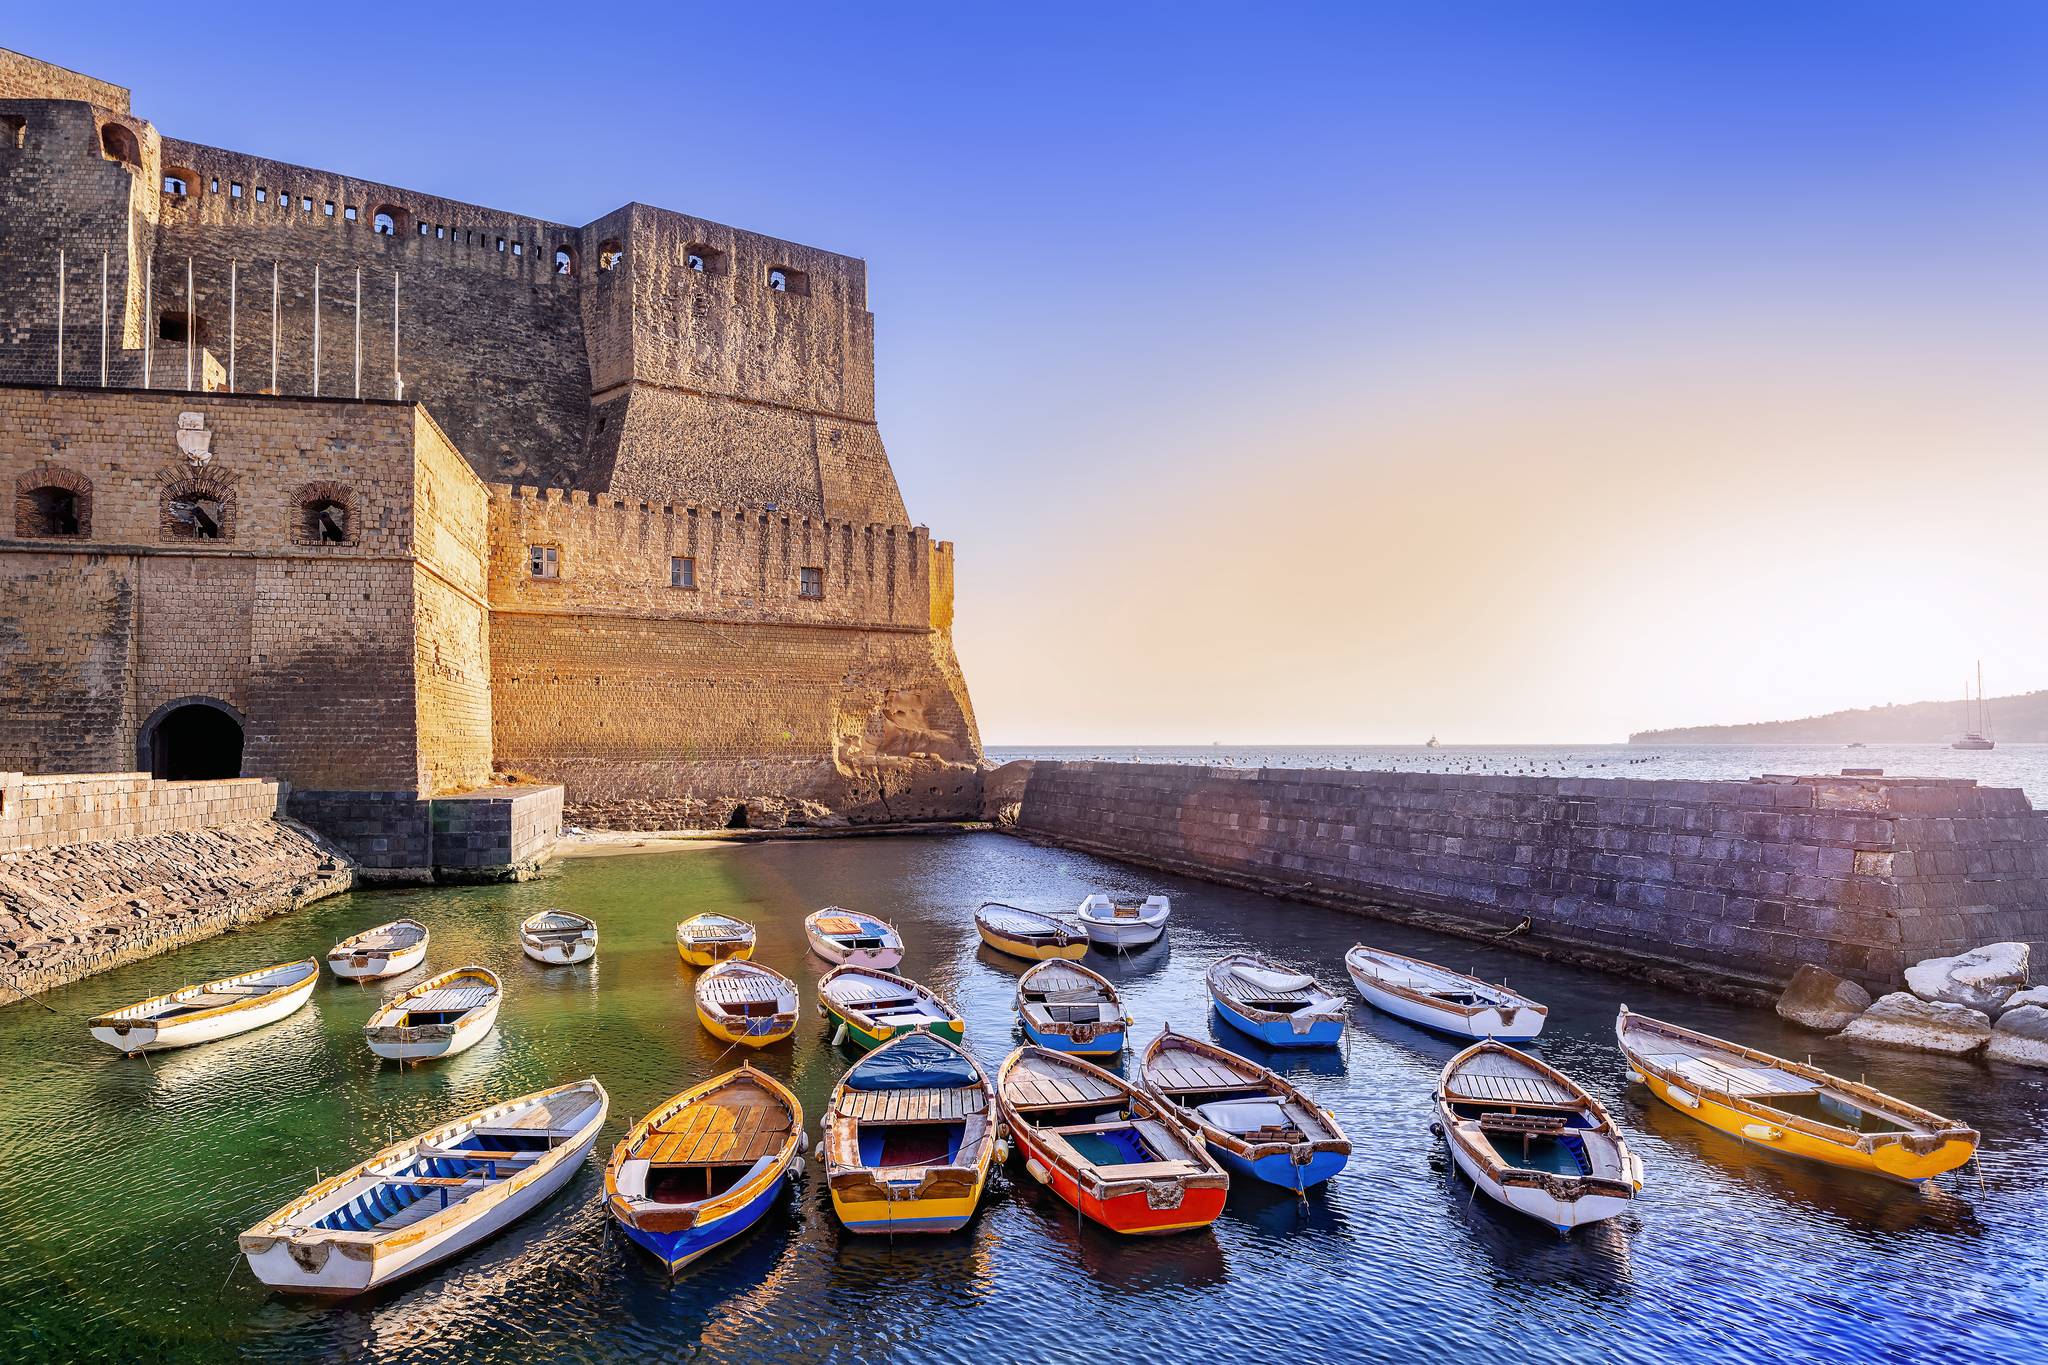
1437, 998
430, 1197
440, 1017
556, 938
216, 1009
387, 950
1121, 923
853, 940
1532, 1139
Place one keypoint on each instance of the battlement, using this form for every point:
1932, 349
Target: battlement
599, 553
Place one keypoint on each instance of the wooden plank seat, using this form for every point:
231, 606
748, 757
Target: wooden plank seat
1031, 1089
742, 988
1148, 1170
1525, 1088
933, 1105
1241, 989
1521, 1123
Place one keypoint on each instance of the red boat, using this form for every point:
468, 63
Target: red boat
1105, 1147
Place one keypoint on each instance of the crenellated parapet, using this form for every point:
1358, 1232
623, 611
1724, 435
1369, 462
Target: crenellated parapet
556, 550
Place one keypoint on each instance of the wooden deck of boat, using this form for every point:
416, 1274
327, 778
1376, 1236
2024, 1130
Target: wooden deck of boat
869, 990
1726, 1071
1234, 985
382, 938
744, 988
739, 1129
928, 1105
1491, 1078
1015, 923
453, 999
1058, 982
1178, 1070
1034, 1084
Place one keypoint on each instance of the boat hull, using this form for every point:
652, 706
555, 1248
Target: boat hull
1035, 952
867, 1039
1281, 1032
559, 954
1890, 1160
1123, 935
678, 1249
1518, 1024
1132, 1214
1562, 1214
466, 1035
722, 1029
343, 1275
712, 956
377, 966
883, 959
1102, 1045
149, 1036
888, 1217
1280, 1168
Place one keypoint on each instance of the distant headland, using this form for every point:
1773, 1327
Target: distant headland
2020, 719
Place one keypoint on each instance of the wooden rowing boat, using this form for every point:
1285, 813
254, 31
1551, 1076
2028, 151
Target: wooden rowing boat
705, 1165
908, 1137
876, 1006
557, 938
1276, 1005
440, 1017
1028, 934
387, 950
1533, 1139
708, 939
430, 1197
1789, 1107
1067, 1008
213, 1010
747, 1003
1256, 1122
1114, 1153
1438, 998
844, 937
1121, 923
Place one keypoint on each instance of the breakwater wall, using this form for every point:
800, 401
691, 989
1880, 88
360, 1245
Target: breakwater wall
105, 868
1862, 875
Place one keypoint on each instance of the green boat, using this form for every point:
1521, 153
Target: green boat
875, 1006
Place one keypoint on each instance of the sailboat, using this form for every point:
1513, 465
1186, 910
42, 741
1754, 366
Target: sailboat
1975, 736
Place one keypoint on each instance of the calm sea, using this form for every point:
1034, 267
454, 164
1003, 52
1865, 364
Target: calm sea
2011, 765
123, 1182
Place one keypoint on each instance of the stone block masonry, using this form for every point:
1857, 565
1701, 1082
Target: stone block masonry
1744, 880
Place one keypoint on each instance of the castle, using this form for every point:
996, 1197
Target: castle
388, 497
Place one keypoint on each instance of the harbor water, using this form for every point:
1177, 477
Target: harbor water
123, 1182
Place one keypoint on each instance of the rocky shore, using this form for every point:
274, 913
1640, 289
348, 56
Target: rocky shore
1974, 1003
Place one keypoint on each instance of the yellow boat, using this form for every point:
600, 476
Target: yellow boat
1789, 1107
909, 1136
706, 940
1028, 934
745, 1002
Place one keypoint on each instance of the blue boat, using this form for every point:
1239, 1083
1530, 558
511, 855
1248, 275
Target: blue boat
705, 1165
1257, 1123
1067, 1008
1277, 1006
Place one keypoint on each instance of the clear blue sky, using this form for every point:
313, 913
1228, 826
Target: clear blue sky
1325, 373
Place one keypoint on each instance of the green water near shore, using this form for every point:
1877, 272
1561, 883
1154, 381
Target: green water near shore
123, 1182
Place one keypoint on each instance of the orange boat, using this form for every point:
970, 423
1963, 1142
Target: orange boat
1105, 1147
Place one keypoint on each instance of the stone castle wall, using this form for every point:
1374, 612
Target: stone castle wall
61, 809
1744, 879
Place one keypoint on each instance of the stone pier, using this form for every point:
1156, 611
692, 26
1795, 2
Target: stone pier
1742, 880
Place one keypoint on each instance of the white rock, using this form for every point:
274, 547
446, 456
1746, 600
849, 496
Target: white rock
1981, 978
2021, 1036
2035, 995
1903, 1020
1819, 999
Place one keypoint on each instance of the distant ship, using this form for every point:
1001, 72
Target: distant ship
1432, 743
1974, 736
1855, 744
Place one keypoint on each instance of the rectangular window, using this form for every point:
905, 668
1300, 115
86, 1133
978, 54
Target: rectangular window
349, 213
235, 190
213, 185
262, 195
426, 229
810, 583
330, 209
544, 561
305, 203
516, 251
682, 572
501, 244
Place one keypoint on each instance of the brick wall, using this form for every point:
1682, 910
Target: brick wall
1747, 879
24, 77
